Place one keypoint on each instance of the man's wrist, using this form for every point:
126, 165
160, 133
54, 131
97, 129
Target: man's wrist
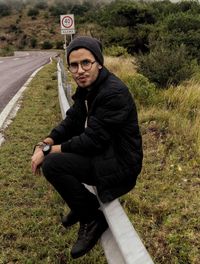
40, 145
46, 149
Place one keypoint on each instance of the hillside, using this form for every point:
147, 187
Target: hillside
164, 36
22, 31
29, 24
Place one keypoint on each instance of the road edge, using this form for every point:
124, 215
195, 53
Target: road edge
11, 109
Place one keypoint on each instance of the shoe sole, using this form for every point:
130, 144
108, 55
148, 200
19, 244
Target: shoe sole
68, 223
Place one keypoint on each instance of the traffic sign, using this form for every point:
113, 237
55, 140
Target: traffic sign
67, 24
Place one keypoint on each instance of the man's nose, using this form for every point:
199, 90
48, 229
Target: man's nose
80, 69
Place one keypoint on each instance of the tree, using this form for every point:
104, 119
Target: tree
47, 45
33, 12
41, 4
165, 65
5, 10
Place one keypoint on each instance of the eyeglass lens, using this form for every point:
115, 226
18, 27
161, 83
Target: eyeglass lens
85, 65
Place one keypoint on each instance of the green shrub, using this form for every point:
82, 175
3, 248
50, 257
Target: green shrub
33, 12
5, 9
116, 51
59, 44
166, 66
22, 42
41, 5
143, 91
46, 15
33, 42
6, 51
57, 9
47, 45
14, 28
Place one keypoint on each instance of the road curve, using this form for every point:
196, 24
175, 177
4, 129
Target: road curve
14, 71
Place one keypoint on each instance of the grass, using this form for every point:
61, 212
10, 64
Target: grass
163, 207
30, 210
120, 65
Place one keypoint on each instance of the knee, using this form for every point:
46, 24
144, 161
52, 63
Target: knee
49, 165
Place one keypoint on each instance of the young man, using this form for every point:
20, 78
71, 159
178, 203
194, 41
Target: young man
98, 143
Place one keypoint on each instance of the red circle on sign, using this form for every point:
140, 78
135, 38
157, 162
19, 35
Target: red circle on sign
67, 21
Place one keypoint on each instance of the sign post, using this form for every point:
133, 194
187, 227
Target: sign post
67, 26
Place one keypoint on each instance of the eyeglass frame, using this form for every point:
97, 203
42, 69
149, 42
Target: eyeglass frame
82, 66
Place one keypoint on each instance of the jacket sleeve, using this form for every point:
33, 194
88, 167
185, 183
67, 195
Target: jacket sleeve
72, 125
111, 112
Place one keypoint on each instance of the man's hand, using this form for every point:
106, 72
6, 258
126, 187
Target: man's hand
38, 155
36, 160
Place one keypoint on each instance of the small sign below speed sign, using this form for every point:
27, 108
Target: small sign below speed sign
67, 24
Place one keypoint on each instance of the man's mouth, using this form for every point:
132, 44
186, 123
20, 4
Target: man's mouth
81, 78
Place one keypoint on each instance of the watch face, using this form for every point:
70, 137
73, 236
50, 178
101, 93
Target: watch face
46, 148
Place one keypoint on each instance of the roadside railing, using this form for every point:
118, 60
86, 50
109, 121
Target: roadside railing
120, 242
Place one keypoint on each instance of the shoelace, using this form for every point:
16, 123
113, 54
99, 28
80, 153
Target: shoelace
83, 230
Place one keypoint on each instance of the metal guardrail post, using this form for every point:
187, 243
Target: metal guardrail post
121, 243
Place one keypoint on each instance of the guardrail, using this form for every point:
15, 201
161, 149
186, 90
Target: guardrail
121, 243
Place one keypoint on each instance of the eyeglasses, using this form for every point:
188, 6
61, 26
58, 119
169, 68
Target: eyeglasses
86, 65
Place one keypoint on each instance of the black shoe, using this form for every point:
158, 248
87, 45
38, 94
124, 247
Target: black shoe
88, 235
69, 219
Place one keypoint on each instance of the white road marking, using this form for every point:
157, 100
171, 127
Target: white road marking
16, 59
1, 61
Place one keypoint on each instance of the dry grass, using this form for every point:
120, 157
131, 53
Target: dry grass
184, 102
164, 206
185, 98
31, 232
120, 65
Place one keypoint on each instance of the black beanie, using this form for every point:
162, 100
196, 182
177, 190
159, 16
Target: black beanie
89, 43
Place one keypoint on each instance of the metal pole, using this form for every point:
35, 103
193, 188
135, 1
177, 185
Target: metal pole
65, 46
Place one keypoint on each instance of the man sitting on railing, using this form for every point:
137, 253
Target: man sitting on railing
98, 143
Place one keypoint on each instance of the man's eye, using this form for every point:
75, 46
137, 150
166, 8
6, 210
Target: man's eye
85, 62
73, 65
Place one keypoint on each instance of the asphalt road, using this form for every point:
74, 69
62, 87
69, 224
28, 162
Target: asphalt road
14, 71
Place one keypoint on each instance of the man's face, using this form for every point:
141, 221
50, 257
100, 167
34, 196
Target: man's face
84, 77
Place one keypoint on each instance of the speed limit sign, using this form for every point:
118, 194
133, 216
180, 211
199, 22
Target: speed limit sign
67, 24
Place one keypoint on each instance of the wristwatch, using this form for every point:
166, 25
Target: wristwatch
46, 149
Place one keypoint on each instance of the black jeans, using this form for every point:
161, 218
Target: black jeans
67, 172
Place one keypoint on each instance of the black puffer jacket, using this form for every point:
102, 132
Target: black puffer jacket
111, 137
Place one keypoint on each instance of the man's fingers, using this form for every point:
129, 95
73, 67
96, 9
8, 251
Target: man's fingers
33, 167
38, 171
36, 162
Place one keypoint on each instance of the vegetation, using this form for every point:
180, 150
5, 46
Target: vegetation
30, 209
4, 10
164, 205
33, 12
7, 51
164, 38
150, 30
47, 45
167, 66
